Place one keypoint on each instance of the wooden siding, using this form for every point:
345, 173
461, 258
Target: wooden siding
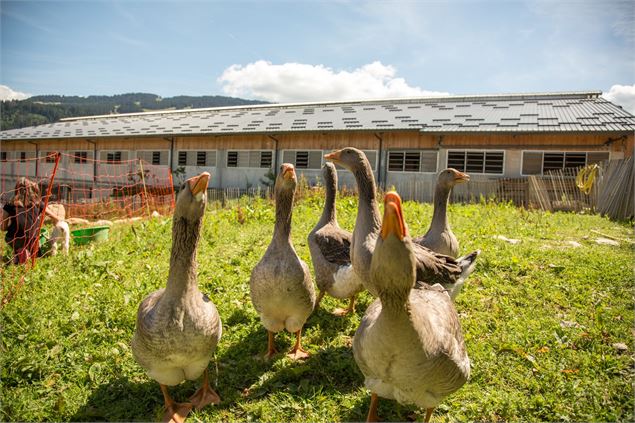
327, 141
531, 141
228, 142
330, 141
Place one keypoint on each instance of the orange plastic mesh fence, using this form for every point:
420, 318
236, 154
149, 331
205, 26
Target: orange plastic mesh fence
76, 188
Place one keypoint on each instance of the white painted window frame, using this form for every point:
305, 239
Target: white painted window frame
409, 150
542, 162
479, 150
259, 150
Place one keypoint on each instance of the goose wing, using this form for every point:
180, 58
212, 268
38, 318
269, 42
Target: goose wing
335, 245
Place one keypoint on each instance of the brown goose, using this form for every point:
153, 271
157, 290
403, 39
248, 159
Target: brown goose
432, 268
440, 237
409, 345
330, 248
178, 327
281, 288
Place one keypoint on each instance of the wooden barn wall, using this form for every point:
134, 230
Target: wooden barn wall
532, 141
224, 142
132, 143
326, 141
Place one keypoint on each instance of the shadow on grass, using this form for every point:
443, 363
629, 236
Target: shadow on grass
245, 375
123, 400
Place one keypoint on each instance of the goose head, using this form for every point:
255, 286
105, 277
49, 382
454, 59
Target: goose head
449, 177
286, 179
349, 157
393, 266
191, 200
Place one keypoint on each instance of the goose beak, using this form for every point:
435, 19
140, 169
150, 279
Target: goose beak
288, 172
393, 222
198, 184
333, 156
460, 177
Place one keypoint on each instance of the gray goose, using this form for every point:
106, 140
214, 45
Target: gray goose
409, 344
330, 248
440, 237
178, 327
281, 288
432, 267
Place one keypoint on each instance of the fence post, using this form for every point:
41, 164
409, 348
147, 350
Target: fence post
36, 248
145, 192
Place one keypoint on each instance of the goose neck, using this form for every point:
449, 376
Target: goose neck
441, 199
182, 274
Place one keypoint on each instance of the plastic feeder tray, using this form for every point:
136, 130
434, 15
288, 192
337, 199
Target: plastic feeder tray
87, 235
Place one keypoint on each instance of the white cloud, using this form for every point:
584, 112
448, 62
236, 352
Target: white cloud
7, 93
297, 82
623, 95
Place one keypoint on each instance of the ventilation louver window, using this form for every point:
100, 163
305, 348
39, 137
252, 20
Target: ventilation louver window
483, 162
412, 161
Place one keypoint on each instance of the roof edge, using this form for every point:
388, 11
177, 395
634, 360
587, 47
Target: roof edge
402, 100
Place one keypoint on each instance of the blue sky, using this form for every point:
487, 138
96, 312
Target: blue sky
316, 50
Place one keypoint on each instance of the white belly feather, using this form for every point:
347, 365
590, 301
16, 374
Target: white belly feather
346, 284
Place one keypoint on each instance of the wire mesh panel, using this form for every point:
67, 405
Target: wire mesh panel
76, 188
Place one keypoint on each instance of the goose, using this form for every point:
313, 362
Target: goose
281, 288
178, 327
330, 251
432, 267
440, 237
409, 344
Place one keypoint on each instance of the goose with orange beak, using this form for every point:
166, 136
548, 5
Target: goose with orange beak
281, 288
431, 267
178, 327
409, 345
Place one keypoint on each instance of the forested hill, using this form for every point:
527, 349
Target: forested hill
42, 109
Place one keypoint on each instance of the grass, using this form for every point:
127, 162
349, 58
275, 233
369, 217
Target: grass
540, 320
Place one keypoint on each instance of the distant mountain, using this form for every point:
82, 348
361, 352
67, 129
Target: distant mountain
42, 109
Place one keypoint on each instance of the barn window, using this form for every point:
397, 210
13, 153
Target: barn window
309, 159
3, 156
265, 159
50, 157
539, 162
201, 158
232, 159
412, 161
182, 159
80, 157
113, 157
156, 157
22, 156
470, 161
249, 159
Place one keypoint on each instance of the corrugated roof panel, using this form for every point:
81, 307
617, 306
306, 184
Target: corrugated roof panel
523, 112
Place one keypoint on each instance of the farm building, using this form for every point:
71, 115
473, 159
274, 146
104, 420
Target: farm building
406, 140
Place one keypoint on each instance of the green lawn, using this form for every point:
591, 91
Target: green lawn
540, 319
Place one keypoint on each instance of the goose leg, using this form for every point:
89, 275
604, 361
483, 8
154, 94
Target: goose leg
372, 409
349, 309
428, 414
175, 412
319, 299
205, 394
271, 346
297, 352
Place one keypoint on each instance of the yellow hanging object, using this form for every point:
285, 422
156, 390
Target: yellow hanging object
586, 177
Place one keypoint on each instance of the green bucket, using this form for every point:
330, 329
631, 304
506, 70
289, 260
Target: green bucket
44, 236
86, 235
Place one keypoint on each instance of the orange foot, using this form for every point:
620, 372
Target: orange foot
298, 354
176, 412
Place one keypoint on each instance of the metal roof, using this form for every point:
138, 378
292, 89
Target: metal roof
549, 112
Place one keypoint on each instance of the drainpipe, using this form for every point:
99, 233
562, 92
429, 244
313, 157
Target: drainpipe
381, 174
92, 189
275, 156
171, 139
